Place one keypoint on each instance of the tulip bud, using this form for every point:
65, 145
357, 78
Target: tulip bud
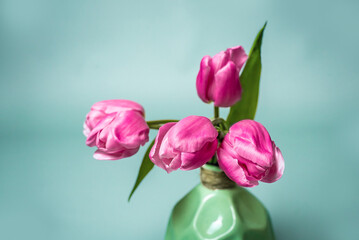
187, 144
248, 155
103, 108
117, 128
218, 77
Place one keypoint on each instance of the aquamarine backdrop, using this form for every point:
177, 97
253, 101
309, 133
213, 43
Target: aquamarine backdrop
57, 58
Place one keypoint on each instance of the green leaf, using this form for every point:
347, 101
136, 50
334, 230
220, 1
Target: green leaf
146, 167
247, 106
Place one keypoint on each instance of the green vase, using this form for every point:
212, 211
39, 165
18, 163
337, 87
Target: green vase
219, 209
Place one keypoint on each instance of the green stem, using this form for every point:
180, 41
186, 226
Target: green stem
216, 112
154, 126
162, 121
213, 161
158, 123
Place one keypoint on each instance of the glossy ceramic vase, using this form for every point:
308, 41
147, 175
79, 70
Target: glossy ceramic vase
219, 211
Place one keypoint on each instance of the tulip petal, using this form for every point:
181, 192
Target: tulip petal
252, 170
129, 129
155, 150
191, 134
220, 60
104, 155
238, 56
277, 169
86, 131
227, 88
174, 164
117, 105
93, 118
233, 169
204, 79
251, 141
100, 109
170, 157
197, 159
92, 136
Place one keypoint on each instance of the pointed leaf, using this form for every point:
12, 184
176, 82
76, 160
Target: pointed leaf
146, 167
247, 106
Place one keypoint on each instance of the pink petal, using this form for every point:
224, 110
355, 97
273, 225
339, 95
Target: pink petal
104, 155
154, 153
191, 134
86, 130
93, 118
232, 169
277, 169
166, 150
117, 105
220, 60
174, 164
227, 88
238, 56
108, 107
92, 137
252, 170
197, 159
170, 157
251, 141
128, 129
204, 79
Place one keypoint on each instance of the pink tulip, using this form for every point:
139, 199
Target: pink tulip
117, 128
187, 144
218, 77
248, 155
101, 109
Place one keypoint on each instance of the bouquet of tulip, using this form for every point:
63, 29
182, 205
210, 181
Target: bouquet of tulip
240, 146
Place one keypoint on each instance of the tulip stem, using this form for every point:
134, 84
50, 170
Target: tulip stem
216, 112
158, 123
163, 121
213, 161
155, 126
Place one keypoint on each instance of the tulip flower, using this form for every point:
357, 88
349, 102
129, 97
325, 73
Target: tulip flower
101, 109
218, 77
187, 144
248, 155
117, 128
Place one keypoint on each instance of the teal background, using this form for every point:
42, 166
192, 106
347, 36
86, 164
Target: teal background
57, 58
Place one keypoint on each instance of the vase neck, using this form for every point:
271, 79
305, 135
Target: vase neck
213, 177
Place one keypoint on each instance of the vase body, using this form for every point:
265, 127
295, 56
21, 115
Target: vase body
232, 213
